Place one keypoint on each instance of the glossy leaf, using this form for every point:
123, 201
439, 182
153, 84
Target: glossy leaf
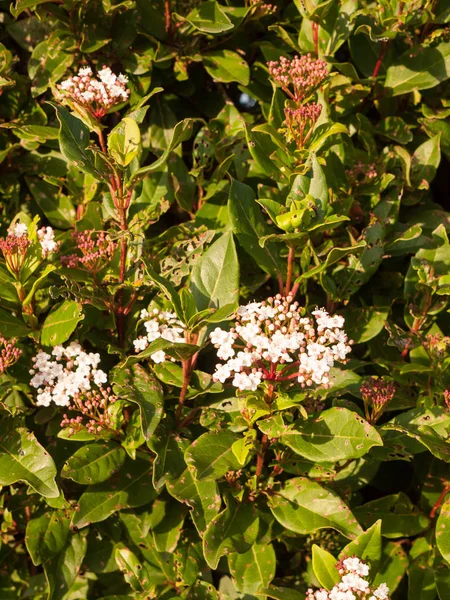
46, 535
22, 458
324, 567
215, 276
336, 434
61, 323
304, 506
130, 487
94, 463
235, 529
249, 227
211, 455
136, 385
254, 569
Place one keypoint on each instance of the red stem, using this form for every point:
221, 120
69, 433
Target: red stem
439, 502
294, 290
315, 32
290, 265
384, 48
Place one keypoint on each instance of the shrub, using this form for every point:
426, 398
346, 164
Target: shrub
224, 300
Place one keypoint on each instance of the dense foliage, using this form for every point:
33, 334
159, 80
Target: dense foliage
224, 286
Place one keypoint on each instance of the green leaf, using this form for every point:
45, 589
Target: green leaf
425, 161
395, 128
201, 495
336, 434
74, 139
235, 529
398, 514
324, 567
254, 569
38, 283
281, 593
249, 227
443, 531
419, 69
215, 276
334, 256
22, 5
61, 323
441, 577
22, 458
394, 562
11, 326
304, 506
62, 570
209, 17
56, 207
138, 575
166, 521
136, 385
421, 584
129, 488
262, 148
226, 66
167, 288
46, 535
366, 546
210, 456
313, 183
169, 448
124, 141
94, 463
182, 132
362, 323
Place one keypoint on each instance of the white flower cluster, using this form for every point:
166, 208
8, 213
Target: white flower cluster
46, 237
19, 230
102, 93
278, 344
159, 324
65, 372
353, 585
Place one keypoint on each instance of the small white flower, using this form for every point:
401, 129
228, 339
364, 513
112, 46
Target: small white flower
140, 344
382, 592
158, 357
19, 230
85, 72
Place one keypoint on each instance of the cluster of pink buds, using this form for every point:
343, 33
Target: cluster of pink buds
95, 250
275, 341
14, 249
93, 406
15, 246
98, 96
353, 584
264, 9
447, 398
376, 394
299, 79
301, 121
9, 353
